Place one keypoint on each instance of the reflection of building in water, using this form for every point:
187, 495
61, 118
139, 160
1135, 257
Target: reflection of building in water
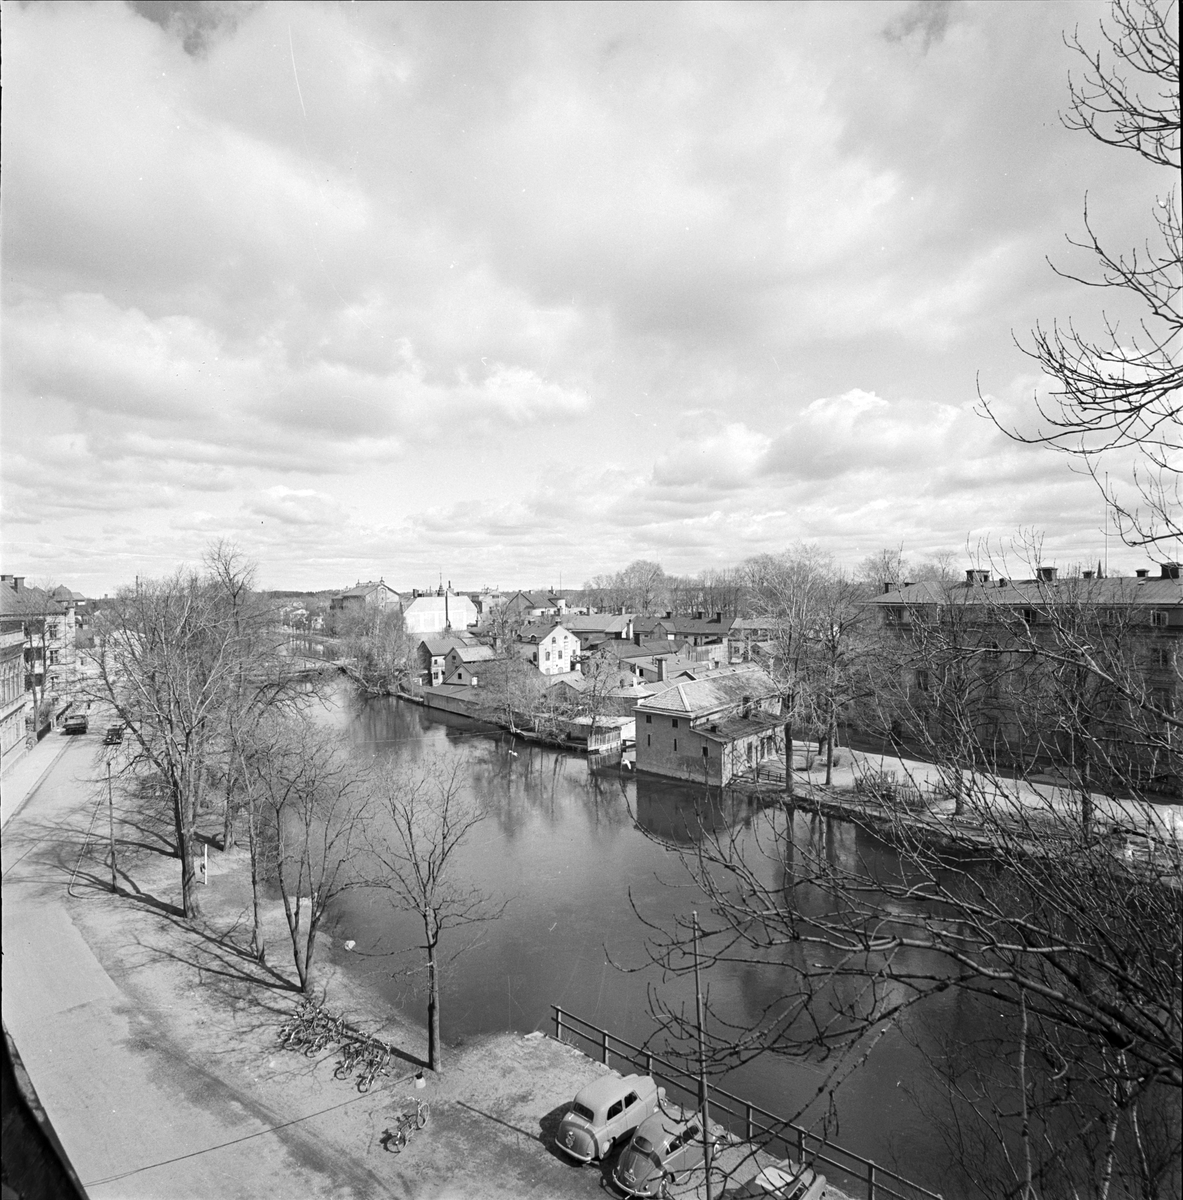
712, 728
682, 812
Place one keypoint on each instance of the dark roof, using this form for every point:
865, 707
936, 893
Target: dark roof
28, 602
996, 593
738, 727
438, 647
536, 631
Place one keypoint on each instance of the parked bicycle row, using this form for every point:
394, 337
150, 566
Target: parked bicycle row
313, 1029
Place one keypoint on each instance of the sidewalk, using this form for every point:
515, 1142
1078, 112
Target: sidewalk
24, 778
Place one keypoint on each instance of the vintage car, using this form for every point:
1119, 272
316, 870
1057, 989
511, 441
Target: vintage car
75, 723
664, 1146
114, 734
785, 1181
604, 1113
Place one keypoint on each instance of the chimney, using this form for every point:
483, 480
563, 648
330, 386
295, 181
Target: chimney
718, 618
888, 586
973, 575
1046, 574
636, 637
1141, 572
661, 670
18, 583
1003, 581
1086, 574
699, 614
1170, 570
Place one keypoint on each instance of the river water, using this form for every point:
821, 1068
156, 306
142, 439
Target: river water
562, 844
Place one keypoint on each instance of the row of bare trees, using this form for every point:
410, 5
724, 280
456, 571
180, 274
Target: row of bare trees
219, 726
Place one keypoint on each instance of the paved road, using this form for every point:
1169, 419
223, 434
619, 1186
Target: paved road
117, 1103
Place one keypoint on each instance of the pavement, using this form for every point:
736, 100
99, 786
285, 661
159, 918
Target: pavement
151, 1042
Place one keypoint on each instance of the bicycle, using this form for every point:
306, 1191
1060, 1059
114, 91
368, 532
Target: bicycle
351, 1055
375, 1066
405, 1124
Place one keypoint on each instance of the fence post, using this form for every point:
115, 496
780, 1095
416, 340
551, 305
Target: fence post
800, 1144
604, 1039
648, 1064
870, 1181
558, 1023
748, 1121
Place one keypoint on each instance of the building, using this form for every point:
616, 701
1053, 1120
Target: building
530, 606
551, 647
442, 611
1014, 640
14, 700
698, 629
710, 729
364, 595
43, 627
465, 661
596, 628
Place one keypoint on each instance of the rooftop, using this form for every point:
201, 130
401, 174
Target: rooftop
717, 689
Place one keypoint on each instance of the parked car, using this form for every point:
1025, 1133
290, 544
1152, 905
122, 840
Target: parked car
114, 734
75, 723
785, 1181
604, 1113
664, 1146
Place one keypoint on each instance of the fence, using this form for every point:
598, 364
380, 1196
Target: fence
749, 1121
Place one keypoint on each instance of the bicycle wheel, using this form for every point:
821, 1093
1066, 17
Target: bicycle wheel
421, 1116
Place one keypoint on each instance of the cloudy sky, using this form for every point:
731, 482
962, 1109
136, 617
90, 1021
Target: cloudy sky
519, 292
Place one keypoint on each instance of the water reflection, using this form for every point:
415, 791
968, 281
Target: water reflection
580, 852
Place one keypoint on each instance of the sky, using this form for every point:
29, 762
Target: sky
513, 295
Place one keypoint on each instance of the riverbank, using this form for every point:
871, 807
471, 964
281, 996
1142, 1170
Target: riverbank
151, 1040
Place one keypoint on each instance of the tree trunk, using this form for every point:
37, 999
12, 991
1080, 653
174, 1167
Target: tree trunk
788, 758
830, 730
258, 943
434, 1055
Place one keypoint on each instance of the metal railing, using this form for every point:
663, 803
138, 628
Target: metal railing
749, 1121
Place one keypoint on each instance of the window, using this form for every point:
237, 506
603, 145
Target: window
648, 718
53, 658
1163, 656
923, 681
616, 1109
674, 722
648, 739
548, 656
675, 743
706, 751
560, 656
630, 1099
1158, 617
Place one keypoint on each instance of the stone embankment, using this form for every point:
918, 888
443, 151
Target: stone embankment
151, 1040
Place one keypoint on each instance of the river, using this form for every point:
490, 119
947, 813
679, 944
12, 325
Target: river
562, 844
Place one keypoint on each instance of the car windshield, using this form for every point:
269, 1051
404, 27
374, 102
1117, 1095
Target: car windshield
581, 1110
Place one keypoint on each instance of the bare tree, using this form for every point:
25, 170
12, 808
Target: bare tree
1119, 390
427, 816
188, 662
307, 806
377, 641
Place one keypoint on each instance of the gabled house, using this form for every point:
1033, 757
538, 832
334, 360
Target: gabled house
533, 605
470, 657
698, 629
551, 647
370, 594
432, 655
711, 728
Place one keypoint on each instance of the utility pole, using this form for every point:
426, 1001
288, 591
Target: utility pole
703, 1102
111, 828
